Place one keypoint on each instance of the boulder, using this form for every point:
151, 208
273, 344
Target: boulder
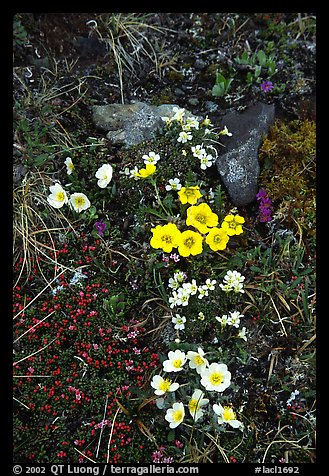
130, 124
237, 162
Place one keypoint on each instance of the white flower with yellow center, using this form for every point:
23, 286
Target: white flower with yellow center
198, 151
197, 360
163, 385
226, 415
206, 161
174, 184
184, 137
242, 334
194, 405
179, 322
178, 113
225, 132
69, 165
79, 202
175, 415
104, 175
216, 377
175, 362
58, 196
184, 296
151, 158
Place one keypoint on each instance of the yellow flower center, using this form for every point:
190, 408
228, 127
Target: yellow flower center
201, 218
228, 414
177, 363
79, 201
60, 196
164, 385
166, 238
216, 378
198, 360
189, 242
232, 224
193, 405
177, 415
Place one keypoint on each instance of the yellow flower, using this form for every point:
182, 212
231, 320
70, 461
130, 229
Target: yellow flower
190, 244
201, 217
189, 195
149, 170
232, 224
217, 239
165, 237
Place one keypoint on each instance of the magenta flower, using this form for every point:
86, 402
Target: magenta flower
100, 227
265, 206
266, 86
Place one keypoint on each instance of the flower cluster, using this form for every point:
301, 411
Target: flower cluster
78, 200
265, 206
206, 153
150, 160
204, 220
183, 290
213, 377
233, 281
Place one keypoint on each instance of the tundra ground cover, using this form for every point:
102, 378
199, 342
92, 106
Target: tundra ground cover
154, 321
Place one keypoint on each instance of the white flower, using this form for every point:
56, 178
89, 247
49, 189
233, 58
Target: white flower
197, 360
173, 284
152, 158
180, 276
210, 284
167, 120
178, 113
174, 300
223, 320
104, 175
194, 405
198, 151
184, 137
175, 415
174, 184
206, 161
233, 281
183, 295
235, 318
226, 415
203, 291
216, 377
69, 165
133, 173
179, 322
58, 196
242, 334
79, 202
191, 288
191, 122
201, 316
206, 121
225, 132
175, 362
162, 385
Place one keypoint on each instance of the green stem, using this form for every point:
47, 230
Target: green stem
158, 197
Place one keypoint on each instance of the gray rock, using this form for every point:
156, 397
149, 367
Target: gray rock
237, 162
130, 124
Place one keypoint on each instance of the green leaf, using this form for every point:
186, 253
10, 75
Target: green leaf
220, 78
262, 59
218, 90
258, 70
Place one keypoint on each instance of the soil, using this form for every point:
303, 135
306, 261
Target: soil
189, 49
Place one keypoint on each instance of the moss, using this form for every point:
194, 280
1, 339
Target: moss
287, 157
